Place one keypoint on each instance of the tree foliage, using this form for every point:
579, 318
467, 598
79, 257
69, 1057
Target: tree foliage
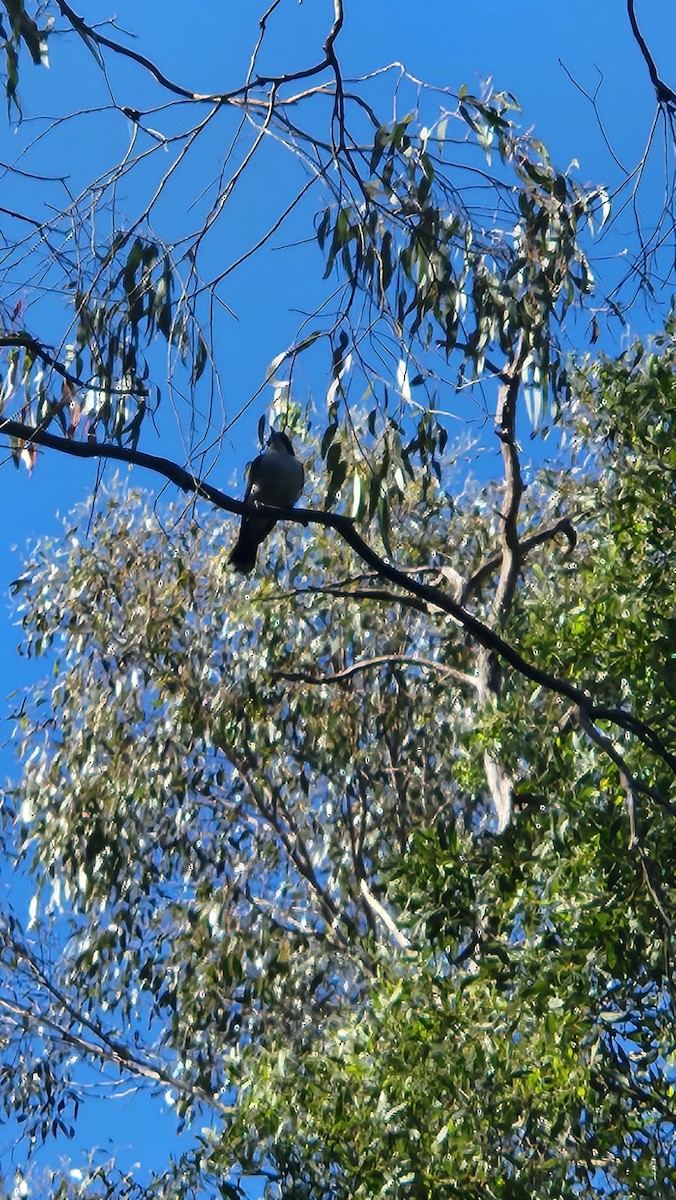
265, 811
365, 866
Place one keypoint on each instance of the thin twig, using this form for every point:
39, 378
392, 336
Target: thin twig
28, 1016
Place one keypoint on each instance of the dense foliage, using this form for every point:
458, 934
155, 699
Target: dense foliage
264, 811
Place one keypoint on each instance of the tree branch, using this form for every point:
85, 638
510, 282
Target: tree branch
629, 780
24, 341
293, 842
509, 535
91, 35
500, 783
344, 526
29, 1016
564, 526
342, 591
665, 95
383, 915
379, 660
88, 34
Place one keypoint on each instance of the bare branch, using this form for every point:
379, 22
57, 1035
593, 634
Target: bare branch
666, 97
383, 915
594, 103
379, 660
92, 36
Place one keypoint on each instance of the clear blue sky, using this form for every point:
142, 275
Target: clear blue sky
206, 46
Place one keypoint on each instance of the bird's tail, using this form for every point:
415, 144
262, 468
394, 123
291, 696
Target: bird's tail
243, 555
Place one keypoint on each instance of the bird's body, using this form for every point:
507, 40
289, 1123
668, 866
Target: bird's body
276, 478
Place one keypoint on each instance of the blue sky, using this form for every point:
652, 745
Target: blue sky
207, 47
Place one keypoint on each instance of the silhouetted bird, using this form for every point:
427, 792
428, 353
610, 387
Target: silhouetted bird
276, 478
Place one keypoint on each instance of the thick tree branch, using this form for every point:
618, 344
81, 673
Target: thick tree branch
344, 526
500, 783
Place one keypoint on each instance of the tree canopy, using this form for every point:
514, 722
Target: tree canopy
364, 868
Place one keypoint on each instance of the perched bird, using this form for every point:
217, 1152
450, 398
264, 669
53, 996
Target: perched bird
276, 477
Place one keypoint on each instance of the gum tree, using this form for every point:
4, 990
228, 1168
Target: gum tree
367, 865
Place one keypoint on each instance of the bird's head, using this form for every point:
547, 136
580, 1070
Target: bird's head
280, 442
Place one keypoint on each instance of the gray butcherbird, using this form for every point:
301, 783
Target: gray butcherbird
276, 478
